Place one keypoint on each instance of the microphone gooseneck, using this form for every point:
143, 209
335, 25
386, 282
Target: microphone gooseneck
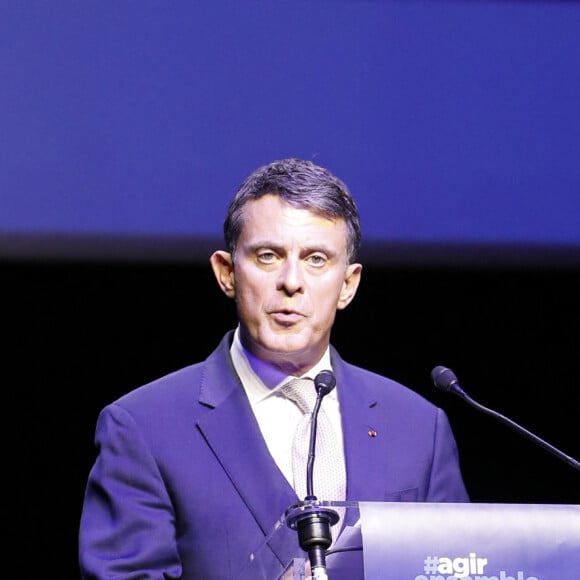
445, 380
312, 521
324, 382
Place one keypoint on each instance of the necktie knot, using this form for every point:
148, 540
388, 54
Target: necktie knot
302, 392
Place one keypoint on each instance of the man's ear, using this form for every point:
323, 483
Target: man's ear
350, 285
223, 268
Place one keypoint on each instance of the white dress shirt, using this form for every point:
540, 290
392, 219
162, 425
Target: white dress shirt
278, 416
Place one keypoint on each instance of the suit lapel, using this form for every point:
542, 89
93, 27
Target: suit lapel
365, 427
234, 436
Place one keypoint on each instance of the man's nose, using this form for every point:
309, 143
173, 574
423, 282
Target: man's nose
291, 276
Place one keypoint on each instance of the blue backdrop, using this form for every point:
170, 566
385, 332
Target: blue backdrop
126, 126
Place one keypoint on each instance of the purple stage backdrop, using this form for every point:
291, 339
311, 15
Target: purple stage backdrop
126, 126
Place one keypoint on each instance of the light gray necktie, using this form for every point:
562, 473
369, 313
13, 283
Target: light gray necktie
329, 476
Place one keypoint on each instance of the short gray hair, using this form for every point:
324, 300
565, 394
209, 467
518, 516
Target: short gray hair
301, 184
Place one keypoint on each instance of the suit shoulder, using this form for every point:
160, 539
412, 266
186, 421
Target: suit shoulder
184, 384
170, 386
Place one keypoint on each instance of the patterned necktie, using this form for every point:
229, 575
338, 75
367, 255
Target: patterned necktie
329, 476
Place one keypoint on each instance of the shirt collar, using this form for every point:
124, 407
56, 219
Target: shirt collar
261, 379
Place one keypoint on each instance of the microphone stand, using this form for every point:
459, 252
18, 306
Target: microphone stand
311, 520
445, 379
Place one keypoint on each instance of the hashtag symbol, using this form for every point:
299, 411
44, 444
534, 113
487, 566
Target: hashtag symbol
430, 564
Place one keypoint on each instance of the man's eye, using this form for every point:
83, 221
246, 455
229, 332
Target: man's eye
317, 260
266, 257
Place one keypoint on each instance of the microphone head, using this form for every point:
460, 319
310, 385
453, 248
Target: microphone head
444, 378
324, 382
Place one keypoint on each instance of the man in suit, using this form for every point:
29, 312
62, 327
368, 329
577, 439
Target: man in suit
194, 469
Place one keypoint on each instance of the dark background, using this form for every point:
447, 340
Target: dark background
79, 335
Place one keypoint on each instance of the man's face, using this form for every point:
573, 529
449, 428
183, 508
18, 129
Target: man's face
289, 277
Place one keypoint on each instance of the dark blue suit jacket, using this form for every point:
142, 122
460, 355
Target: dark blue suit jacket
185, 487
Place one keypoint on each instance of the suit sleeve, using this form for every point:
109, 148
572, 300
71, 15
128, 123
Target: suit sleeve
446, 481
127, 526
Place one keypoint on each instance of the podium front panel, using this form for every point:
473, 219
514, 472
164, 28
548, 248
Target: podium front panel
477, 541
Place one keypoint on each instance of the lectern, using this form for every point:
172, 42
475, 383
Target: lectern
435, 541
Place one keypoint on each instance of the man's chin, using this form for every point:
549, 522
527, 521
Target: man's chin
286, 342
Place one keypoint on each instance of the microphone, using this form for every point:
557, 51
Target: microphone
324, 382
445, 379
312, 521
